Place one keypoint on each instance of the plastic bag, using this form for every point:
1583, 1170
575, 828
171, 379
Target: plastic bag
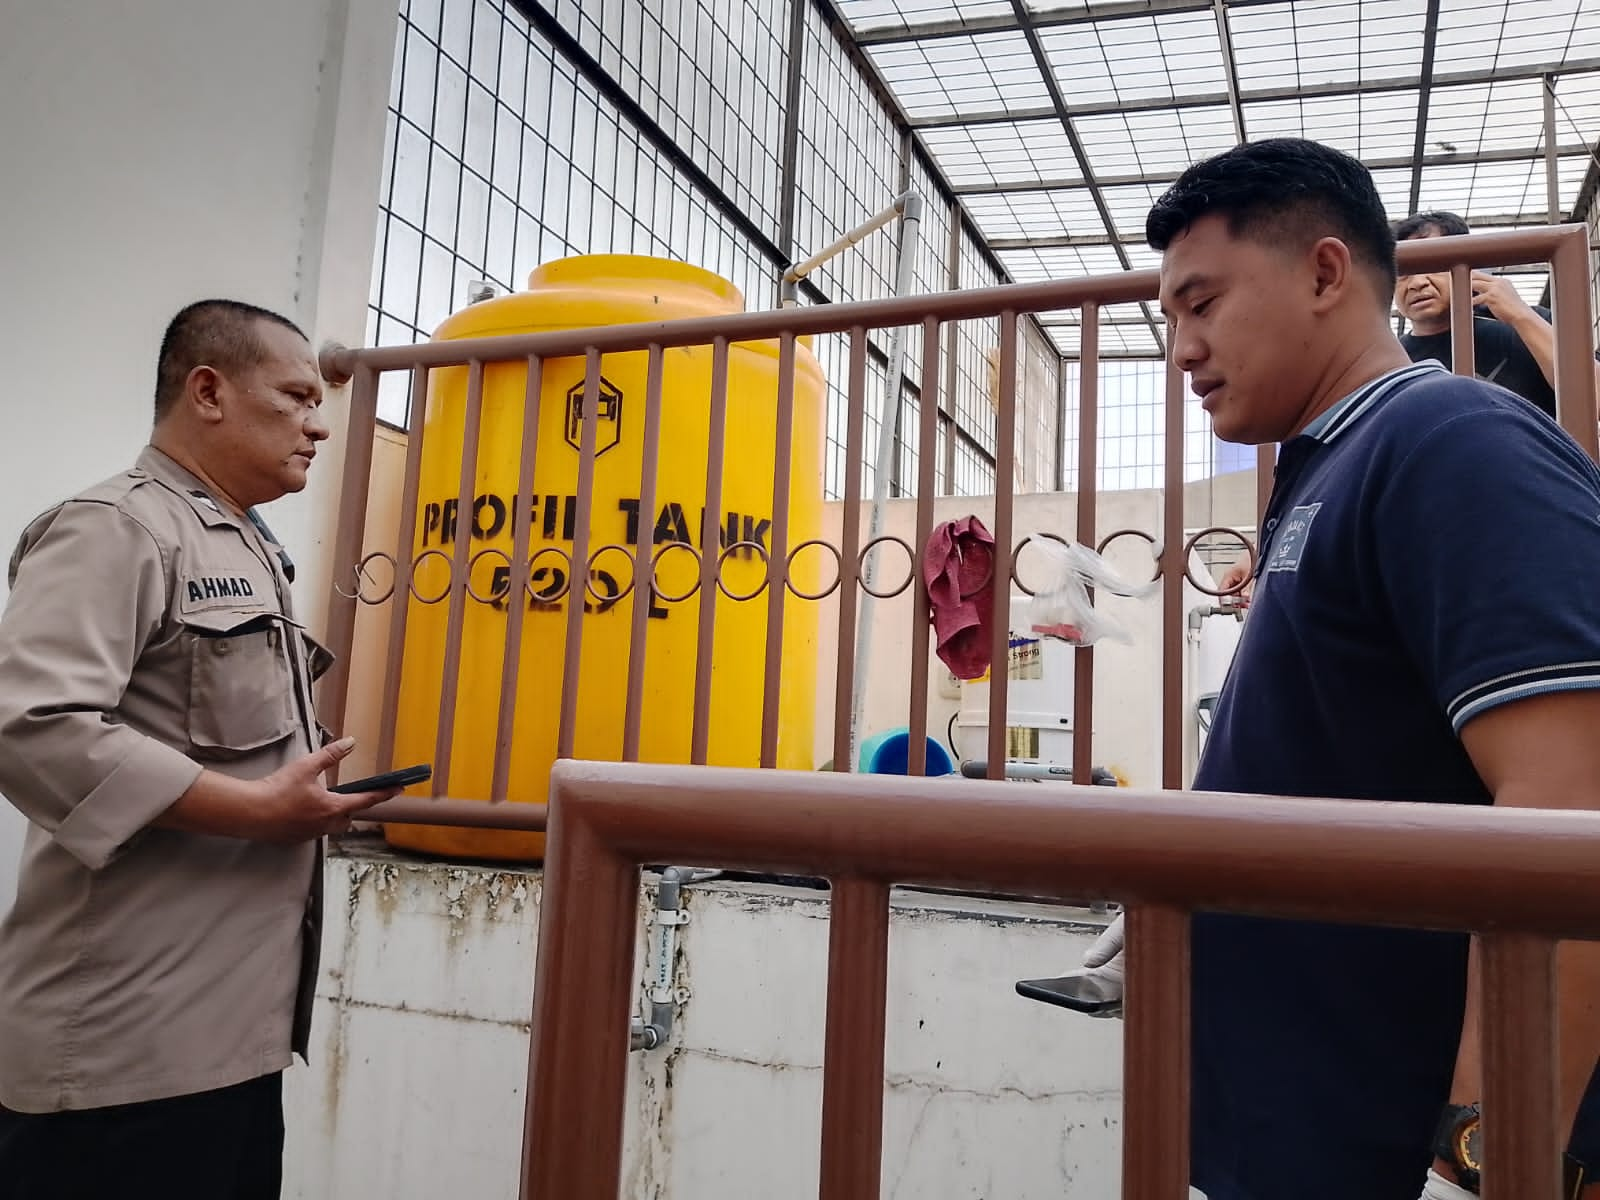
1061, 608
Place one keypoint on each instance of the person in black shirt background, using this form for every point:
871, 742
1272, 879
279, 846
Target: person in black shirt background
1513, 342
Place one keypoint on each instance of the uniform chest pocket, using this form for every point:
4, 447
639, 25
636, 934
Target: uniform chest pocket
241, 686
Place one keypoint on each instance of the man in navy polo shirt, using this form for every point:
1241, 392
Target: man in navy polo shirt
1423, 628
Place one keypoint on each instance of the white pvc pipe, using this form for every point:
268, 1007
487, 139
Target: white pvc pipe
788, 285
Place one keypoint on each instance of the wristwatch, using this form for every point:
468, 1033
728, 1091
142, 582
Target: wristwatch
1459, 1141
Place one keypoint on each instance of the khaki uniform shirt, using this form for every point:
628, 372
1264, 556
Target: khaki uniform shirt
148, 635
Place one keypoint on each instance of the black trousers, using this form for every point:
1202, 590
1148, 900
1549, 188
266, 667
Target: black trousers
220, 1145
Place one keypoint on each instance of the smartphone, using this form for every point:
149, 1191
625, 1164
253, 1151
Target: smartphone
404, 777
1080, 991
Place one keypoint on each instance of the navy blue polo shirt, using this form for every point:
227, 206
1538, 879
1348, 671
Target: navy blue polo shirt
1431, 551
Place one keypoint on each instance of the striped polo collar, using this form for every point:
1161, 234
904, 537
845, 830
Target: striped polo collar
1334, 421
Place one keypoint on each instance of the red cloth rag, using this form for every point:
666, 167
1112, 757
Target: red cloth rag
958, 569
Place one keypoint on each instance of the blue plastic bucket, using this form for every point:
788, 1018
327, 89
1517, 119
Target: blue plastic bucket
888, 753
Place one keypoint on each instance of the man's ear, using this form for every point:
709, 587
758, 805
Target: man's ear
202, 392
1332, 273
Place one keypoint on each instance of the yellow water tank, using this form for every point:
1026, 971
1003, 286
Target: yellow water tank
587, 291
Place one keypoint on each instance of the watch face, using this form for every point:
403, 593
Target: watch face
1469, 1144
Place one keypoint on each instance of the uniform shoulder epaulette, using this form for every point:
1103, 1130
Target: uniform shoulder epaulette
117, 488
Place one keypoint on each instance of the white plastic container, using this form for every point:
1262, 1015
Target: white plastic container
1038, 699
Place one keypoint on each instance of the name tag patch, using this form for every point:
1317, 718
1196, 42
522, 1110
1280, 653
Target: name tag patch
202, 592
1289, 542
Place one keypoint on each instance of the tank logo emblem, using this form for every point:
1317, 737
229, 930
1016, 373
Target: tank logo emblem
609, 432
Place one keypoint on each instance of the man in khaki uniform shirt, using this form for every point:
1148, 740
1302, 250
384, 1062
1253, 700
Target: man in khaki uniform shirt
156, 728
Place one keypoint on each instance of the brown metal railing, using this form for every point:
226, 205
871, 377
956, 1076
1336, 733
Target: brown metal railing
1270, 857
785, 325
1528, 876
1565, 248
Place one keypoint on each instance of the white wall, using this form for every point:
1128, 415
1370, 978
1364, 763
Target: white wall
417, 1078
159, 153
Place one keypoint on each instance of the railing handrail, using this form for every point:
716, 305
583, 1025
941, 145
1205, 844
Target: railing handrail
1499, 248
1434, 865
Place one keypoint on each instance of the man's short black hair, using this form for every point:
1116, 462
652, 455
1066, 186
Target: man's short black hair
1286, 191
210, 333
1425, 224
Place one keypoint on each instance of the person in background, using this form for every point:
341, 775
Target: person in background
1513, 343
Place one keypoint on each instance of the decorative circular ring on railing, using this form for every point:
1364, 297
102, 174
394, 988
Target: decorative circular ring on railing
472, 565
655, 570
838, 570
911, 565
605, 598
362, 574
1155, 546
766, 576
1016, 557
416, 569
549, 595
1188, 549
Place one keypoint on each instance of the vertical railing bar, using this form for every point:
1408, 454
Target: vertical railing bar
1266, 469
578, 1052
517, 581
849, 549
1155, 1054
1088, 531
578, 576
444, 739
334, 689
643, 550
927, 437
777, 557
952, 349
1521, 1141
951, 374
853, 1052
1461, 348
1172, 578
1573, 318
710, 548
1060, 456
404, 569
1005, 452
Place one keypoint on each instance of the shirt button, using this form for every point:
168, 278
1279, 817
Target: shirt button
224, 646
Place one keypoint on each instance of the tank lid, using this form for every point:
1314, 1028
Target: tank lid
632, 270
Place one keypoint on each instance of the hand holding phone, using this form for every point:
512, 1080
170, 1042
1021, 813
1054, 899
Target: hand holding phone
1082, 991
404, 777
1096, 989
